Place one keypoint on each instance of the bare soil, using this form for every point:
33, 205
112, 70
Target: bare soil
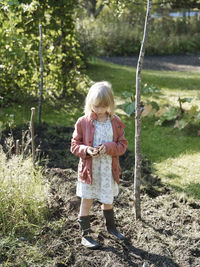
167, 236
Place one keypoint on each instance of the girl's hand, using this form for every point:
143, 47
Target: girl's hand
102, 150
93, 151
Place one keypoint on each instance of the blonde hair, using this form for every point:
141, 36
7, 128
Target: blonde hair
100, 94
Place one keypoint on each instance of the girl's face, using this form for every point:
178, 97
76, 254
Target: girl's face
100, 110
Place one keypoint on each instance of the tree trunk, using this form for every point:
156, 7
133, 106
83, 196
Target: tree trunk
138, 112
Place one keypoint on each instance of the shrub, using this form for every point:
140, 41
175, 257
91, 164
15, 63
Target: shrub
114, 36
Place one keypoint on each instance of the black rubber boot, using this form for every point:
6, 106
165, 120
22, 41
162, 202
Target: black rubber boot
87, 239
110, 224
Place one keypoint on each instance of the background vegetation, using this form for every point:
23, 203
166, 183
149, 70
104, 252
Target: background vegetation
118, 28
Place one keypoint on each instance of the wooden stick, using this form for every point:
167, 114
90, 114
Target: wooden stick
32, 134
17, 147
138, 112
41, 77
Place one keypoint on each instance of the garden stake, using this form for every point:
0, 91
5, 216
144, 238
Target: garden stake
41, 76
17, 147
138, 111
32, 134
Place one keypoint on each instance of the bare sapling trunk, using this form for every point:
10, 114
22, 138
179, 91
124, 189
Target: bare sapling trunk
32, 134
138, 124
41, 77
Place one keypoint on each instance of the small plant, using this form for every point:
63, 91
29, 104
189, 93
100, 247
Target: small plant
150, 89
129, 105
181, 117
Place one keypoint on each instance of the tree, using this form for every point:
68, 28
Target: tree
93, 7
138, 112
186, 4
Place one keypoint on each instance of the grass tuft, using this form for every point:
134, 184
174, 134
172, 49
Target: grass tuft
23, 195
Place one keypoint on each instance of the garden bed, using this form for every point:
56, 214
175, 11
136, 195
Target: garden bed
167, 235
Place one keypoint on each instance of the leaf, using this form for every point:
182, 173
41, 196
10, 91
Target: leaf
127, 94
148, 110
187, 99
155, 105
181, 124
193, 110
129, 108
171, 114
150, 89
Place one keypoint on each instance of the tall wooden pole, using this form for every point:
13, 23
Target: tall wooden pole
32, 134
41, 77
138, 124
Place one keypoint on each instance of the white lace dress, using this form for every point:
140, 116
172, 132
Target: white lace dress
103, 188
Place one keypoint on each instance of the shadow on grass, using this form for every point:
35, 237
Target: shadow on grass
172, 176
191, 189
124, 76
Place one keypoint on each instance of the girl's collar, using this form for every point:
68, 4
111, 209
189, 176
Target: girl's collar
93, 116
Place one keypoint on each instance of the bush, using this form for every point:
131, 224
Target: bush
114, 36
23, 195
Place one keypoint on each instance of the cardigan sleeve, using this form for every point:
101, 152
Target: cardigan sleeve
77, 146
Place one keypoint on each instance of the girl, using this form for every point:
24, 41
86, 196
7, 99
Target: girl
98, 140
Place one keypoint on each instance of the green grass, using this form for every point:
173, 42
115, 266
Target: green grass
53, 114
23, 195
166, 147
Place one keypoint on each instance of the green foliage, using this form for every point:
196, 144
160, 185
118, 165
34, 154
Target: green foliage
113, 37
150, 89
119, 28
180, 117
129, 105
19, 48
170, 115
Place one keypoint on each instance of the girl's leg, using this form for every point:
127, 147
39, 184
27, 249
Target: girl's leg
106, 206
85, 207
84, 222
